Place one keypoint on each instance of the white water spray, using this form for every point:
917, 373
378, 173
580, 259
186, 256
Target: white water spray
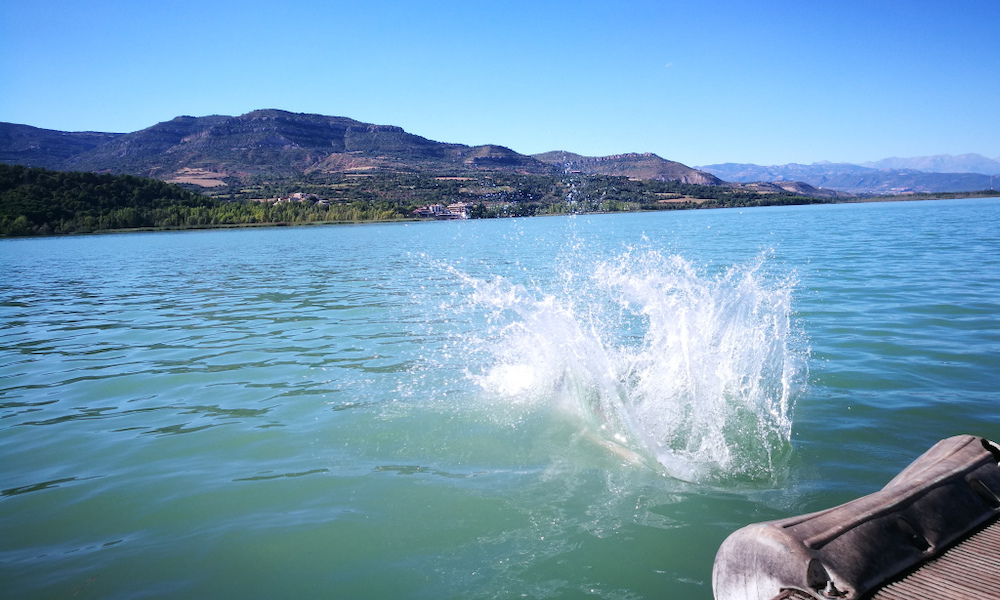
663, 364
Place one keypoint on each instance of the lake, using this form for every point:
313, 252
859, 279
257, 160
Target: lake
558, 407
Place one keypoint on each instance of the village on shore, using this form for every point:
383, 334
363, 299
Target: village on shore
440, 212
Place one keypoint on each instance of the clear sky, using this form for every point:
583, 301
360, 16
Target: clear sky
698, 82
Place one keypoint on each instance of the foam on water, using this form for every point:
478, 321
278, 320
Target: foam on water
662, 363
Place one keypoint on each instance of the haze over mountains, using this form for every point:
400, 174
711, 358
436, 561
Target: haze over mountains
941, 163
218, 149
941, 173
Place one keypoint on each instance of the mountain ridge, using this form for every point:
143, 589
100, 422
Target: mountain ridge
272, 142
212, 149
941, 163
216, 150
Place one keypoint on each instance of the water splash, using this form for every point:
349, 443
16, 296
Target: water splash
662, 363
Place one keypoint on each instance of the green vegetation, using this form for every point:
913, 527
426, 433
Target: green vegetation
41, 202
38, 201
507, 194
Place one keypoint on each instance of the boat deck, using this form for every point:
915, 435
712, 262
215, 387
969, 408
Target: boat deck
932, 532
969, 570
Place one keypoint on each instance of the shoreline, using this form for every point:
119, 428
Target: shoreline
873, 199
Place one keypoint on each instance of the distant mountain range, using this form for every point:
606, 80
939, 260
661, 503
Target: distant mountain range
276, 144
942, 173
218, 149
941, 163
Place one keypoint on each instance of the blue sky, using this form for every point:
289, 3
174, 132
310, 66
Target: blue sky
698, 82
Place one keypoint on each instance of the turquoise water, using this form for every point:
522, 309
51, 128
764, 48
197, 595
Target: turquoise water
540, 408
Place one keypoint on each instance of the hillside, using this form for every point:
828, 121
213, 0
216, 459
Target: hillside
269, 143
217, 150
36, 147
636, 166
793, 187
36, 201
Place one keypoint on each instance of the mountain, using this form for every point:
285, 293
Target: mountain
270, 143
854, 179
941, 163
636, 166
35, 147
277, 144
813, 174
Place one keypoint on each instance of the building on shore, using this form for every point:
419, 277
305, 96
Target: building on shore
458, 210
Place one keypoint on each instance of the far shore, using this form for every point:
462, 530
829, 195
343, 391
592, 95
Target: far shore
894, 198
926, 196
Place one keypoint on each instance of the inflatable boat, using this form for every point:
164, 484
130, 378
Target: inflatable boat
932, 532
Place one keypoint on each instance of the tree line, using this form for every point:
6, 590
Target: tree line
37, 201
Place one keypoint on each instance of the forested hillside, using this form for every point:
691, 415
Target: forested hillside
41, 202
